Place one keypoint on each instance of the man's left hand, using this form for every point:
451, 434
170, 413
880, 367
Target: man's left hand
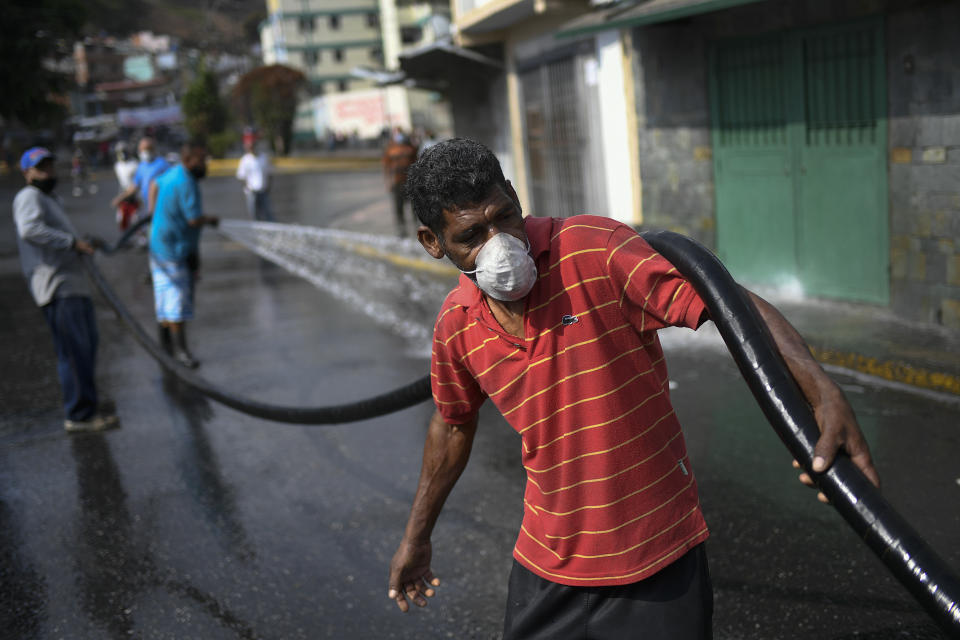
834, 415
839, 430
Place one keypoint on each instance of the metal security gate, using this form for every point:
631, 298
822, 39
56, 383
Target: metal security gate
564, 156
799, 135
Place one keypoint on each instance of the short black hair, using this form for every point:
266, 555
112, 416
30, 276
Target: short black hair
451, 174
192, 146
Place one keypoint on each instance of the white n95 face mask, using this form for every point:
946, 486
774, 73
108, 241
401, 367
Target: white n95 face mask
505, 271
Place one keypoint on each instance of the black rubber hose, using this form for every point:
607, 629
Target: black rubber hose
110, 249
924, 574
401, 398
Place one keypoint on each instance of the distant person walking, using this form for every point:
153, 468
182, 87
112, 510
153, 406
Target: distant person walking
80, 174
175, 249
125, 167
254, 171
50, 249
429, 139
397, 158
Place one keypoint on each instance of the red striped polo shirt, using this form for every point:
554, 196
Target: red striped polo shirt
610, 497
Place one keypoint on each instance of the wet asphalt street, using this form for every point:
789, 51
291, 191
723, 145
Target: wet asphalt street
195, 521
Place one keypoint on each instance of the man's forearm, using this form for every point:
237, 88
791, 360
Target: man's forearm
834, 415
445, 456
129, 191
152, 197
31, 228
810, 377
200, 221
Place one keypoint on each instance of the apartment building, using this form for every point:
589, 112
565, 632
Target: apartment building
325, 39
349, 46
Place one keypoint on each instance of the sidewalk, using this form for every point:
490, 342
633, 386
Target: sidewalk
872, 341
865, 339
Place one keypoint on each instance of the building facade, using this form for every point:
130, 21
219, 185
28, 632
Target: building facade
810, 143
325, 39
346, 46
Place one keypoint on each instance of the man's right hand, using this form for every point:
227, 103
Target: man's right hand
82, 246
410, 575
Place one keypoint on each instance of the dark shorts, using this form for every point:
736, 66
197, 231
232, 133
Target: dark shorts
674, 604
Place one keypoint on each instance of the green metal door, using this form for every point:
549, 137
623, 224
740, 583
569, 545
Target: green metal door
843, 248
752, 160
811, 201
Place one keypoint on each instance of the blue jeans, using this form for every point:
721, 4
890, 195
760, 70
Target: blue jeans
258, 205
75, 337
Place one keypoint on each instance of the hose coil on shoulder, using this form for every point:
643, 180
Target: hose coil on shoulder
918, 567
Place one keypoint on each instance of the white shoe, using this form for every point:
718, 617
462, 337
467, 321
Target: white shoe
99, 422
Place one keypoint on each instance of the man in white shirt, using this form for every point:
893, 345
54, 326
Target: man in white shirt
125, 167
254, 171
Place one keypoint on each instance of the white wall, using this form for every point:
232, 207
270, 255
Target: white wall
614, 107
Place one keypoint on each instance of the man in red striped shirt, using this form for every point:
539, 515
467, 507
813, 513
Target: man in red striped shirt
555, 320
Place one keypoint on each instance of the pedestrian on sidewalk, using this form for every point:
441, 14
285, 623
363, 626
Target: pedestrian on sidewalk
555, 320
50, 250
178, 219
398, 156
254, 172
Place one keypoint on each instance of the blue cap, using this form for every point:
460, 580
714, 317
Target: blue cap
33, 156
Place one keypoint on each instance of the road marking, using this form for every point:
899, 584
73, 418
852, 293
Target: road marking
441, 268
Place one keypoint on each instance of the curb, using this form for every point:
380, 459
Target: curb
228, 166
890, 370
440, 268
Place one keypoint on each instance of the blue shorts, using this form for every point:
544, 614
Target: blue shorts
172, 289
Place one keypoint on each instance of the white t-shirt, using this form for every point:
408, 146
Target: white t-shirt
125, 170
254, 171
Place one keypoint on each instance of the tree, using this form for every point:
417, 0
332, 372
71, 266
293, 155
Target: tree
251, 26
267, 96
204, 112
32, 33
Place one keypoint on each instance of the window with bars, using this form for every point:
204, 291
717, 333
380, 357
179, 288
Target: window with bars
752, 102
839, 89
561, 119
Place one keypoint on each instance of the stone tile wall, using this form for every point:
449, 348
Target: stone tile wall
923, 82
